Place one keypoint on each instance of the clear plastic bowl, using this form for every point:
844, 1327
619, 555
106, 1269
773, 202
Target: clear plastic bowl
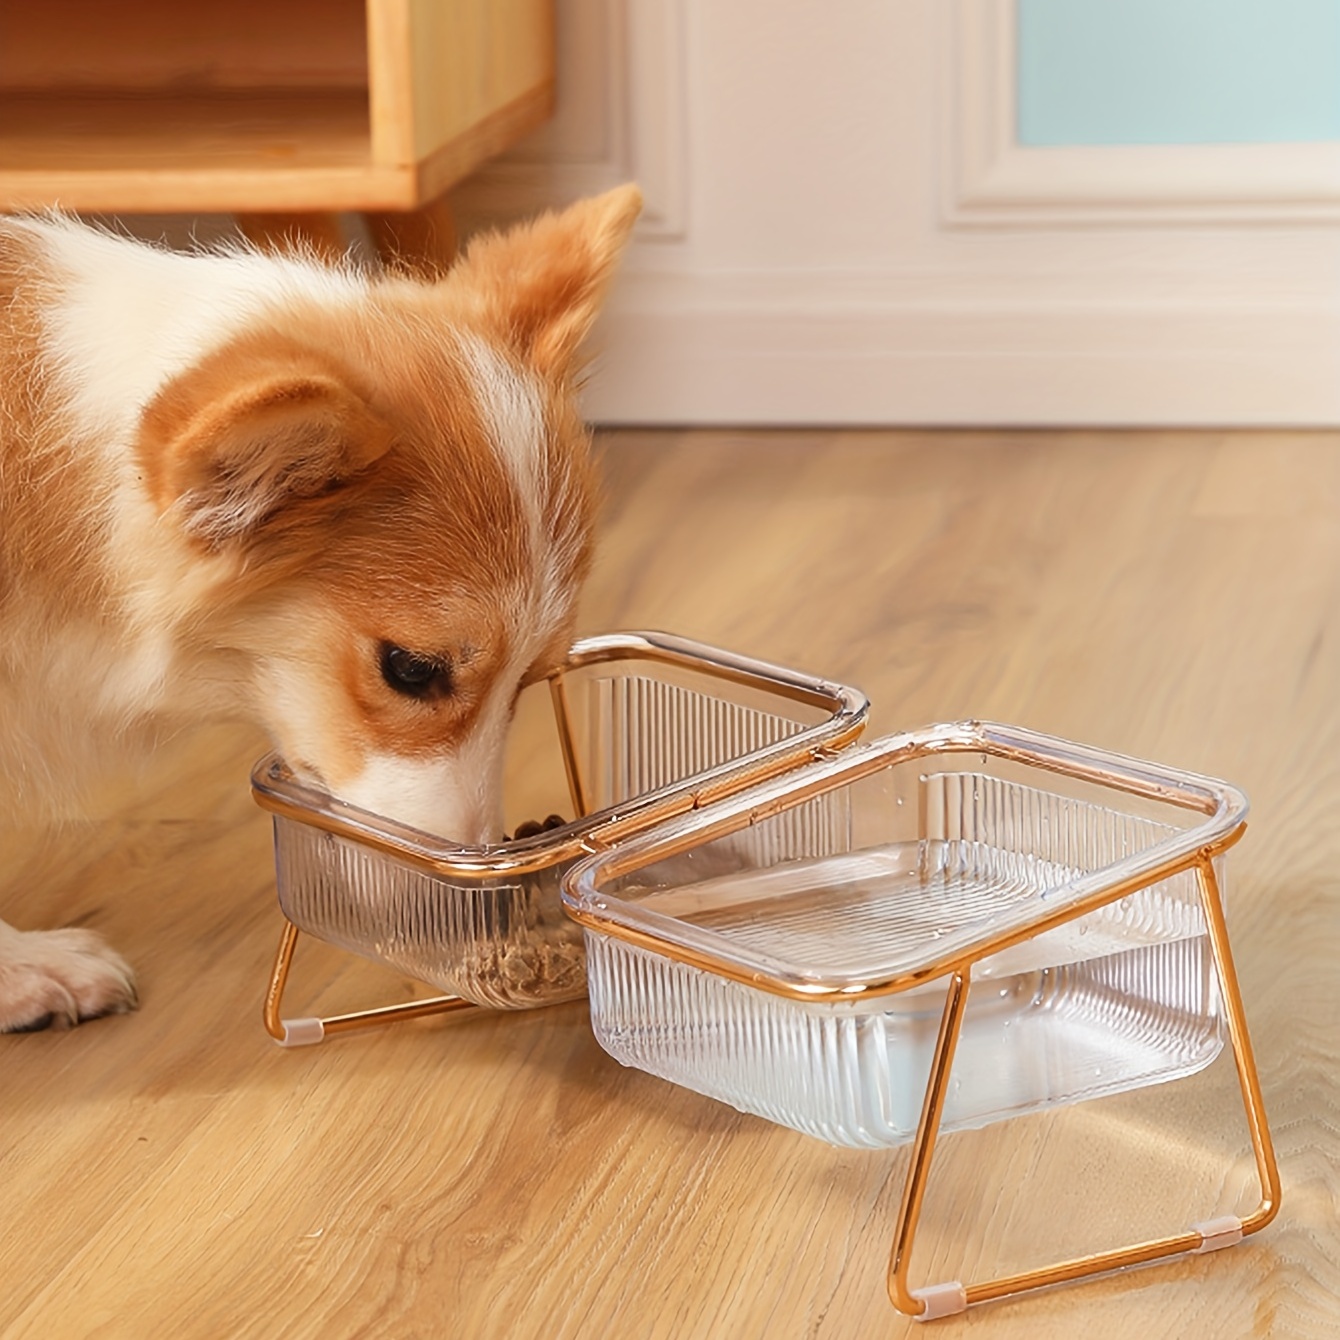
648, 726
787, 952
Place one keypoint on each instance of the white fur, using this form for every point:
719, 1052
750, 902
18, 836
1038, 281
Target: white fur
459, 795
60, 977
513, 407
131, 317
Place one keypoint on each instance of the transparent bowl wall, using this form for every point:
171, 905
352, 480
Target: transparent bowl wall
501, 942
858, 882
641, 729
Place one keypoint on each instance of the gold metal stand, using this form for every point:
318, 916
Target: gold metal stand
302, 1032
592, 897
941, 1300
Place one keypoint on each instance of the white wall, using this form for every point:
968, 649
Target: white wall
841, 230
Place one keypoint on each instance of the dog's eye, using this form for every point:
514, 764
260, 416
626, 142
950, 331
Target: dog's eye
415, 674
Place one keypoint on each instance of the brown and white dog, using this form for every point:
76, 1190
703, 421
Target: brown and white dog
353, 508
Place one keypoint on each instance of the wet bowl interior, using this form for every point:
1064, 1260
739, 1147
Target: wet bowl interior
635, 728
787, 953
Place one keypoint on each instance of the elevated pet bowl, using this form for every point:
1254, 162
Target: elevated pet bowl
649, 726
939, 930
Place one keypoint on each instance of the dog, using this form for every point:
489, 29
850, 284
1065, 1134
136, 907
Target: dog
354, 508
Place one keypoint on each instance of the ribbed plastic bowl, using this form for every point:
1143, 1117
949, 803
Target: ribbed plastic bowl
703, 941
650, 726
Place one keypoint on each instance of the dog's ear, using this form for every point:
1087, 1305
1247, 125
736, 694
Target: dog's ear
539, 286
238, 440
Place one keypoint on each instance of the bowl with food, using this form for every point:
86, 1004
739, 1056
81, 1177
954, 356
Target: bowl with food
637, 727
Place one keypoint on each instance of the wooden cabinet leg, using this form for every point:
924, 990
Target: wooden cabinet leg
421, 240
321, 234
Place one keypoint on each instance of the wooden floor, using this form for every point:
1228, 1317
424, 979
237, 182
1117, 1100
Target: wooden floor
1176, 596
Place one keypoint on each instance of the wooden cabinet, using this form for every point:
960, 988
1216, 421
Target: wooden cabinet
255, 106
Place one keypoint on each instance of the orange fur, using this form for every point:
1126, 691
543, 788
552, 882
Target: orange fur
537, 288
45, 497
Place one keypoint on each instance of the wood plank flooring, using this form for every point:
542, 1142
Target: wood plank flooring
1172, 595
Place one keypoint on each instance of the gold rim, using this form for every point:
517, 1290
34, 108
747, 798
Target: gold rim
586, 902
848, 709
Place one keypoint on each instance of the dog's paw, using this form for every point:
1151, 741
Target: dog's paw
56, 979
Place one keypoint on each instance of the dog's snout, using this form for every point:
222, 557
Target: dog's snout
442, 797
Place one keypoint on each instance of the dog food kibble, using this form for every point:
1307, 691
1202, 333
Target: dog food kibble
539, 971
529, 950
534, 827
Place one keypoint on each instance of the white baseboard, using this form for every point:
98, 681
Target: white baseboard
688, 350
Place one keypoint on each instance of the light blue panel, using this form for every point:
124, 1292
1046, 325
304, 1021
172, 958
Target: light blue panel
1178, 71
